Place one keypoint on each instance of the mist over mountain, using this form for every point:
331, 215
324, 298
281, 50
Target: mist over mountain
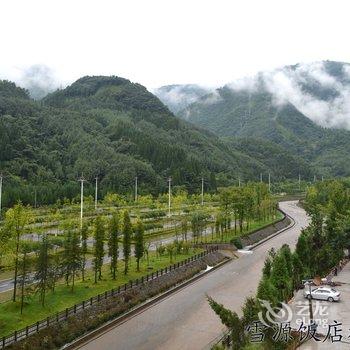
319, 90
178, 97
303, 108
110, 127
39, 80
107, 125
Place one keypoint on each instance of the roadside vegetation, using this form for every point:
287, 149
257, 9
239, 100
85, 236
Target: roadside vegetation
319, 249
70, 263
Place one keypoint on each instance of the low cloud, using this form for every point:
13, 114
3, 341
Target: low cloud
178, 97
213, 97
39, 80
295, 85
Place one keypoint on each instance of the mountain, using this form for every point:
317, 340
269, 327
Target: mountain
110, 127
305, 109
178, 97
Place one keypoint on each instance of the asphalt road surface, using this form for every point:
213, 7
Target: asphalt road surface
184, 320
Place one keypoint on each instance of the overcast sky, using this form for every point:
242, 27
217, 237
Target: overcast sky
159, 42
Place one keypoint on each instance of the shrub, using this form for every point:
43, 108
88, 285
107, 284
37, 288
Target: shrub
237, 242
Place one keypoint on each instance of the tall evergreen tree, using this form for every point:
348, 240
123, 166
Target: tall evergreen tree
25, 279
42, 270
84, 237
231, 320
139, 243
303, 251
127, 233
98, 248
113, 244
76, 256
280, 277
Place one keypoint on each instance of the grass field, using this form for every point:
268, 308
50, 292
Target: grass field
63, 297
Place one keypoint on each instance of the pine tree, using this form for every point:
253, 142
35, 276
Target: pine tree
84, 237
303, 251
267, 267
139, 244
231, 320
298, 270
98, 248
72, 255
66, 254
25, 279
127, 232
280, 277
113, 246
42, 270
250, 311
75, 259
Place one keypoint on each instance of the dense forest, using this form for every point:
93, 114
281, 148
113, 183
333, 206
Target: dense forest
116, 130
271, 108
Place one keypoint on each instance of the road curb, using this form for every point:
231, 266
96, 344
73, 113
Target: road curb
96, 333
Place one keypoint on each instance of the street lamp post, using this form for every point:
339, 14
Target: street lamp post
81, 180
96, 180
136, 189
202, 191
169, 197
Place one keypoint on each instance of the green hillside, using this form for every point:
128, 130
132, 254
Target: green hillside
110, 127
254, 114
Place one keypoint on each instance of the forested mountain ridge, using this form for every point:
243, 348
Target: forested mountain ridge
114, 129
305, 109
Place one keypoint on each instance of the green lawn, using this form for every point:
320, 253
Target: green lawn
11, 319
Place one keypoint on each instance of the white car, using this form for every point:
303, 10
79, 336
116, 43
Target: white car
322, 293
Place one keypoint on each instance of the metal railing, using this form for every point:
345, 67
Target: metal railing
63, 315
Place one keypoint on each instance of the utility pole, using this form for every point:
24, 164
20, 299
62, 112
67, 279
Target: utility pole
1, 177
81, 180
322, 178
269, 182
136, 189
314, 178
202, 191
96, 180
169, 198
299, 181
261, 177
239, 182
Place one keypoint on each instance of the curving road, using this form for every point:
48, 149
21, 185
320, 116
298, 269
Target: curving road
184, 320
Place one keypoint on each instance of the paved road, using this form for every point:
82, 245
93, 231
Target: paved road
184, 320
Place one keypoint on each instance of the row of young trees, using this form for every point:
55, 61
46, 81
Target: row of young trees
38, 268
319, 248
244, 204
